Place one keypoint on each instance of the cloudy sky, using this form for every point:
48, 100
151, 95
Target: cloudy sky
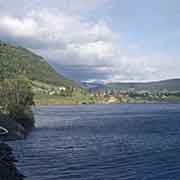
98, 40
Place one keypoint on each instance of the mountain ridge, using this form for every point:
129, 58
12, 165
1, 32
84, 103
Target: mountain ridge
21, 61
168, 84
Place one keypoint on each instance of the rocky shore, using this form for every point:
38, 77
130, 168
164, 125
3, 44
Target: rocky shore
15, 129
8, 170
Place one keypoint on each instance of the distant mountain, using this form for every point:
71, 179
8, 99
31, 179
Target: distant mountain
20, 61
92, 86
170, 85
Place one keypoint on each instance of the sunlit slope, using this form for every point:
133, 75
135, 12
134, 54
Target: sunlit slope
19, 61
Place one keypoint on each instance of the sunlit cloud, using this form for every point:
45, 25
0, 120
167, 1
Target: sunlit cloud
68, 39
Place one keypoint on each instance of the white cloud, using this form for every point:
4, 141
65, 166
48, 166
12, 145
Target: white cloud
18, 28
21, 7
73, 40
56, 27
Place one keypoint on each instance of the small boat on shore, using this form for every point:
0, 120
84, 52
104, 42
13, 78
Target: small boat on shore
3, 131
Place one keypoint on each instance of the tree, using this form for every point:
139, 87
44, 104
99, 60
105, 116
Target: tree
16, 99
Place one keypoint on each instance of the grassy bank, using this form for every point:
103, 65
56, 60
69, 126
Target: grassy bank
45, 99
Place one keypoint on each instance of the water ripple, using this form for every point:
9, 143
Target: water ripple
116, 142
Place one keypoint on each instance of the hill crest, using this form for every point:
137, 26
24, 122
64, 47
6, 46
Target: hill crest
20, 61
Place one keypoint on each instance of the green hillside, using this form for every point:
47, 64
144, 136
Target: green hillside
49, 87
19, 61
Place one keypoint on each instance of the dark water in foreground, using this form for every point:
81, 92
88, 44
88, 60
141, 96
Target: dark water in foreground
114, 142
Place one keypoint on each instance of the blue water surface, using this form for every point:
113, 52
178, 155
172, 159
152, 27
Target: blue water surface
103, 142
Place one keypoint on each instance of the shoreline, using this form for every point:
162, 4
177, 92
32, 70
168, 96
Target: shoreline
97, 104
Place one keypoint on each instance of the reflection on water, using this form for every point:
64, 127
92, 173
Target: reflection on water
114, 142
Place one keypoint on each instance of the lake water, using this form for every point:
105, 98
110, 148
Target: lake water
103, 142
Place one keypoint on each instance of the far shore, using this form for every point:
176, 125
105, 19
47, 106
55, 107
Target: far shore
60, 104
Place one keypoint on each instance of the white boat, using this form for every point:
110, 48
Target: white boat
3, 131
